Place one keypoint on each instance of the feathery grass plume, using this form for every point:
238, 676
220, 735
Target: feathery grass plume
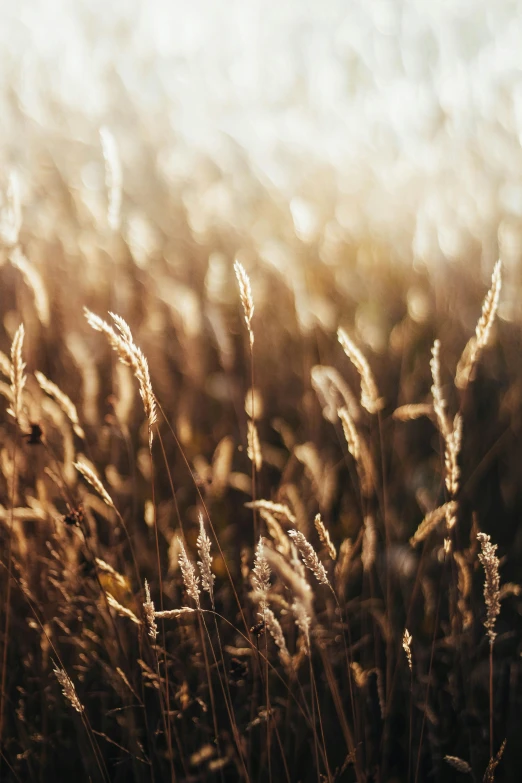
439, 403
120, 609
333, 393
407, 639
68, 689
18, 376
303, 622
260, 576
479, 341
65, 403
113, 177
324, 536
34, 281
309, 555
172, 614
370, 399
490, 562
411, 412
245, 292
11, 213
205, 564
489, 775
274, 627
431, 520
106, 568
369, 543
459, 764
294, 580
254, 446
91, 477
278, 509
188, 572
128, 352
148, 606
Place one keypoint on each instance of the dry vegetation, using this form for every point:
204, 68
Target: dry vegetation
292, 556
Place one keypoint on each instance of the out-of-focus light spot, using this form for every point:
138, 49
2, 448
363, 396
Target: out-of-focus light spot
419, 305
305, 219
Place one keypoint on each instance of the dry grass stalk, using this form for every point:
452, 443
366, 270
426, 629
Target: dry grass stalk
274, 627
346, 551
113, 177
359, 451
476, 344
68, 689
245, 292
5, 365
106, 568
278, 509
294, 580
490, 562
121, 610
33, 280
205, 564
65, 403
128, 352
324, 536
91, 477
11, 213
18, 376
439, 402
464, 589
489, 775
333, 393
276, 532
310, 557
431, 520
453, 444
407, 639
260, 576
370, 399
369, 543
172, 614
459, 764
149, 609
190, 579
411, 412
254, 446
303, 622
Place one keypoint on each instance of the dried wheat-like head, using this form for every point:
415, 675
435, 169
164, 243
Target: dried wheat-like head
148, 607
121, 341
324, 536
370, 399
245, 292
68, 689
91, 477
407, 639
18, 376
479, 341
65, 403
309, 555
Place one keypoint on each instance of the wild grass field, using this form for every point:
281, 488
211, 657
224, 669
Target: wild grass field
260, 392
259, 521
